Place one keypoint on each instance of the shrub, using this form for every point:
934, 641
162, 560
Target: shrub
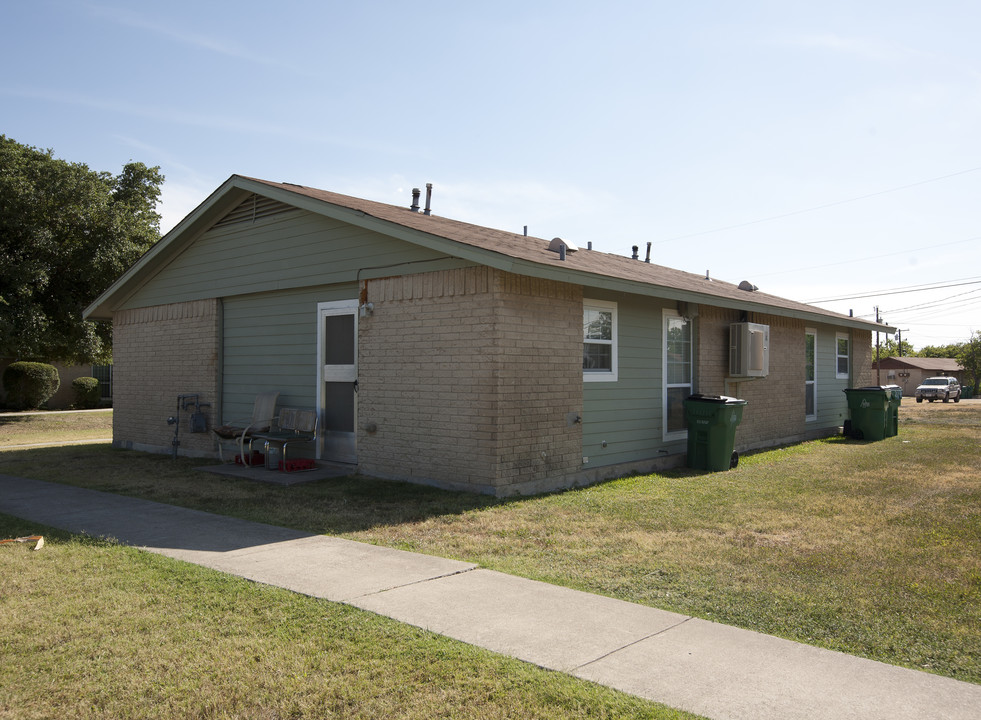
30, 384
86, 392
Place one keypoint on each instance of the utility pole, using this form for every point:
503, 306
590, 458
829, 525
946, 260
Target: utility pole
878, 370
899, 334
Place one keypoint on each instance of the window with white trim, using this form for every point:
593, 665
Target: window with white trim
599, 341
841, 356
678, 383
810, 374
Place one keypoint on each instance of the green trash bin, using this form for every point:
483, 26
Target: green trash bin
712, 421
869, 408
895, 400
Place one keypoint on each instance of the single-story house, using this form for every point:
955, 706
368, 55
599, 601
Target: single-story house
908, 372
440, 352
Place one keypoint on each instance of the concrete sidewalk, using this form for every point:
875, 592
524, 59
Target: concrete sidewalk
684, 662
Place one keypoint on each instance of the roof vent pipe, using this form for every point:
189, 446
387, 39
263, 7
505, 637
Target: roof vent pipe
562, 252
526, 231
414, 207
429, 199
635, 256
648, 259
589, 245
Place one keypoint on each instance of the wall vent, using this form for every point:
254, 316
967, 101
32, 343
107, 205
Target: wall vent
253, 208
749, 350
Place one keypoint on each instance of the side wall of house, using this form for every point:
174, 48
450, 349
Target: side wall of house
470, 378
160, 353
775, 412
270, 343
622, 420
540, 383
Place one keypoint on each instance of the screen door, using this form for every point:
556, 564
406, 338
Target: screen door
337, 361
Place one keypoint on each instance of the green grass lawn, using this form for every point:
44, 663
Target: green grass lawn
90, 629
869, 548
36, 428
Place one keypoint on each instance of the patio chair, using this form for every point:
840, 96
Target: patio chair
242, 432
293, 425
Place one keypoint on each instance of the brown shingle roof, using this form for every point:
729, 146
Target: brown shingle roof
947, 365
588, 262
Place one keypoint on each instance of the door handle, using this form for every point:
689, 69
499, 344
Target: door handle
355, 386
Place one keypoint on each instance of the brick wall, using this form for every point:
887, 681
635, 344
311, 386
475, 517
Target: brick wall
862, 351
159, 353
470, 378
776, 403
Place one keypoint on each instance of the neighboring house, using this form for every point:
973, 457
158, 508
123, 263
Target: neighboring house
65, 397
446, 353
908, 372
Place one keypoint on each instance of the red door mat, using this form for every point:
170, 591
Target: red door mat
257, 459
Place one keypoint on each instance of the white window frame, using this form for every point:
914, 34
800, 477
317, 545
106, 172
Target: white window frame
611, 375
665, 385
812, 332
838, 356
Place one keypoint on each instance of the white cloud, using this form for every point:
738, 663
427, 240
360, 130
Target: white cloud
178, 199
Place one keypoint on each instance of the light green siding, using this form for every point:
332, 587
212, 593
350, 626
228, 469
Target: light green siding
270, 274
269, 342
293, 249
626, 414
832, 404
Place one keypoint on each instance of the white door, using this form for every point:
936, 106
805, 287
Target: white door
337, 380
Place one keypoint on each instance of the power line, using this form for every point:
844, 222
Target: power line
937, 303
819, 207
937, 311
901, 290
906, 251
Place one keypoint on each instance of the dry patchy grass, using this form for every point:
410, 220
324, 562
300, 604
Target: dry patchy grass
36, 428
869, 548
91, 629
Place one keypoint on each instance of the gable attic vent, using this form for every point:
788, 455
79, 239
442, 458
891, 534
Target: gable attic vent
251, 209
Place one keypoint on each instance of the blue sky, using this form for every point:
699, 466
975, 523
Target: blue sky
819, 150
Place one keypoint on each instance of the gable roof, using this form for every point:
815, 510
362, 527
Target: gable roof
507, 251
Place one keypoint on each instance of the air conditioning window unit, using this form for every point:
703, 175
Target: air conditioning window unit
749, 350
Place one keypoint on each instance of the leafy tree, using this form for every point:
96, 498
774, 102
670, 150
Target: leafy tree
891, 348
939, 351
970, 357
66, 232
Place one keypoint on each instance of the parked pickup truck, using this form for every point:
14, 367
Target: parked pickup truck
939, 388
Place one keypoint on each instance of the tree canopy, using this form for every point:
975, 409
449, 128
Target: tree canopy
970, 357
66, 233
892, 348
